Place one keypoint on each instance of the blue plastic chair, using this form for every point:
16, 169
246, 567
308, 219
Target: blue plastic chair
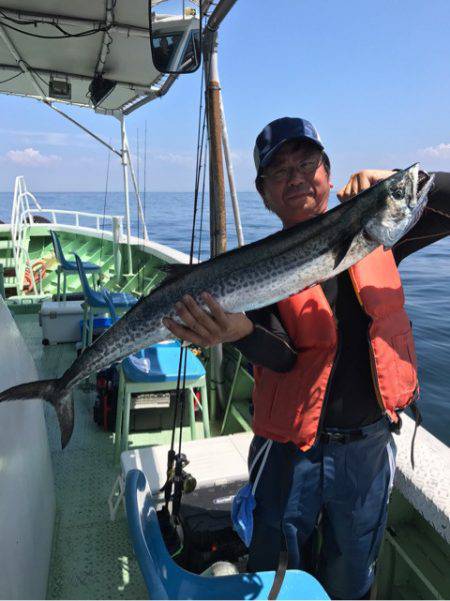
95, 303
66, 267
166, 580
155, 369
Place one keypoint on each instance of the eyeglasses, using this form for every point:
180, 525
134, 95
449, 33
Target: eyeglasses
305, 167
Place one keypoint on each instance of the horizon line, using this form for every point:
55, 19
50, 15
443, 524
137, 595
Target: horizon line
116, 191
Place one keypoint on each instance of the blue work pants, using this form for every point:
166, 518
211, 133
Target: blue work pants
348, 483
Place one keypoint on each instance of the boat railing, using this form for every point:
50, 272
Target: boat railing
99, 218
24, 210
21, 207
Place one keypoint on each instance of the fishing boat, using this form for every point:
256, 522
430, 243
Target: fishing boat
63, 531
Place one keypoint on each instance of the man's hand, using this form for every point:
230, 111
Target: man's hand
361, 181
207, 329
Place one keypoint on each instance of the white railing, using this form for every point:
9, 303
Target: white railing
99, 219
20, 209
22, 218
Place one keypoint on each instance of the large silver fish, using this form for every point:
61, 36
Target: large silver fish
252, 276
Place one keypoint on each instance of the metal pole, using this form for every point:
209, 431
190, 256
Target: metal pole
156, 93
220, 12
136, 187
85, 129
230, 173
127, 194
117, 234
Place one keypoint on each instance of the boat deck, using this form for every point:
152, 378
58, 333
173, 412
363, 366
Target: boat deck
92, 557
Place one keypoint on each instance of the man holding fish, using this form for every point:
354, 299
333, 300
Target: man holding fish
330, 341
333, 366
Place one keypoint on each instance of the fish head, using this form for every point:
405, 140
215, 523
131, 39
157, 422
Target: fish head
401, 199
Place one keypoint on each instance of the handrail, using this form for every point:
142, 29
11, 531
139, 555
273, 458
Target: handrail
22, 218
19, 229
76, 214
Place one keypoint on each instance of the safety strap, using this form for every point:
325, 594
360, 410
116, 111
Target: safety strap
281, 569
283, 557
265, 448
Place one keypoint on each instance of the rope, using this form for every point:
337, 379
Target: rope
446, 215
36, 272
428, 236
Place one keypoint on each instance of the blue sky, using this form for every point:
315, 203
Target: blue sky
373, 78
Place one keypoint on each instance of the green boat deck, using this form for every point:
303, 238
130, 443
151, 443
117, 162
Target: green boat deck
92, 556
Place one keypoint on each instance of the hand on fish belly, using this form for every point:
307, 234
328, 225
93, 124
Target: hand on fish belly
204, 328
361, 181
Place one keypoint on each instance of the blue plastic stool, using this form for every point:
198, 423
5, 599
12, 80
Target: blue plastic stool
155, 369
166, 580
66, 267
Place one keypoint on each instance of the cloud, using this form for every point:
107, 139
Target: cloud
29, 157
176, 158
440, 151
49, 138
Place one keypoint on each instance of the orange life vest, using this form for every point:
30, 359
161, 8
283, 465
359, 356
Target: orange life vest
288, 406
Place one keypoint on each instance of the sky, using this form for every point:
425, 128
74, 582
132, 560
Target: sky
373, 77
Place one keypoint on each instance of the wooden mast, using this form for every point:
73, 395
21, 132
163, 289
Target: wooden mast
218, 232
217, 214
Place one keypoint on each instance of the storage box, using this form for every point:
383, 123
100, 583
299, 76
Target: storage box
60, 321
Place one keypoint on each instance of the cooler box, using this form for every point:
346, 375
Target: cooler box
60, 322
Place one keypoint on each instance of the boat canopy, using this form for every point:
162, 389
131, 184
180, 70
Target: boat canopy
52, 51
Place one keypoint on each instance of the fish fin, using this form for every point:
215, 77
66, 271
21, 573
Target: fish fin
372, 238
49, 391
341, 250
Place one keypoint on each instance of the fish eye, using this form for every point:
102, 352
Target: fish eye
397, 192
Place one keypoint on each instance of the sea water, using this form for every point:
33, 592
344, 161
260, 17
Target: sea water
425, 274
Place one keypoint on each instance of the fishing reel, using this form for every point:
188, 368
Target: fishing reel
188, 482
183, 482
178, 481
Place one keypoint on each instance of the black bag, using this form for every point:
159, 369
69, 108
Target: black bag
208, 535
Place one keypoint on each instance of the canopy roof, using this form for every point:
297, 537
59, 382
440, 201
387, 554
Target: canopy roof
114, 41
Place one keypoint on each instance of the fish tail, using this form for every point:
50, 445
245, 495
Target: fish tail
50, 391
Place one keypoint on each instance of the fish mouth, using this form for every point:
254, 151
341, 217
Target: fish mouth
424, 183
423, 179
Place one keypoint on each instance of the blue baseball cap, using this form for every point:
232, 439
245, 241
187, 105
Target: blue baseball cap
277, 132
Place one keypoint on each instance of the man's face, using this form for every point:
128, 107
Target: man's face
295, 185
